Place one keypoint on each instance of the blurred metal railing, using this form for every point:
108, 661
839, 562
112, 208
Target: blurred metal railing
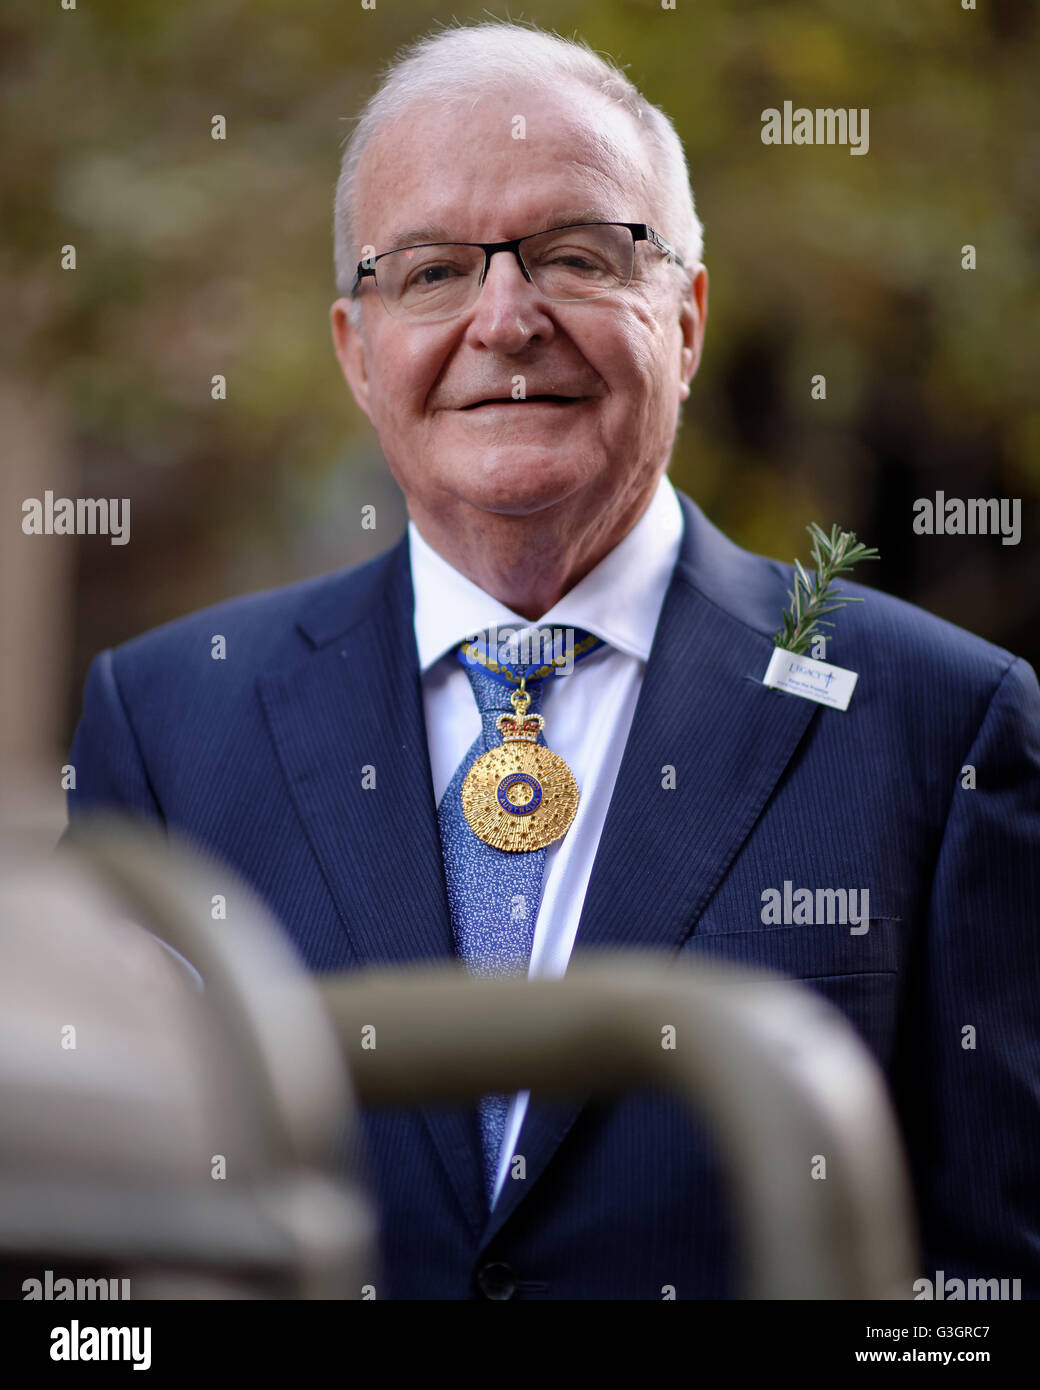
123, 1087
776, 1074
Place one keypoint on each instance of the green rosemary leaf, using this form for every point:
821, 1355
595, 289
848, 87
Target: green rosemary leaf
832, 555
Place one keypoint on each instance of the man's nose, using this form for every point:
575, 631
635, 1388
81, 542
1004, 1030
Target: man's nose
509, 311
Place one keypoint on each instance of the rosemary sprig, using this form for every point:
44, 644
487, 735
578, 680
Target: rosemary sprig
814, 594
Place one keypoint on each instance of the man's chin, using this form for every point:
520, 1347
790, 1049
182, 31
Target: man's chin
519, 480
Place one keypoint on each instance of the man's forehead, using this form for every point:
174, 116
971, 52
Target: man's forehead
450, 171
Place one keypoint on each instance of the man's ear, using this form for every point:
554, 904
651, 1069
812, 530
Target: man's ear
693, 314
350, 351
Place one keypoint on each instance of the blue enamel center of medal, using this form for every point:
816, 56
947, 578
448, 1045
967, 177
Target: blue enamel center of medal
510, 780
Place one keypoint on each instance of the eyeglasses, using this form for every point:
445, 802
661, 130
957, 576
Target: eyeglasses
438, 280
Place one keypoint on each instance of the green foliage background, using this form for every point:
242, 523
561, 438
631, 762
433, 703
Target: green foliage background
197, 257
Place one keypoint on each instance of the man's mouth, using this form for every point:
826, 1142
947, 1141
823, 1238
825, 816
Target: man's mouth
524, 400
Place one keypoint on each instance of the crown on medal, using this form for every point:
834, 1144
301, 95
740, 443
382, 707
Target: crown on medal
520, 727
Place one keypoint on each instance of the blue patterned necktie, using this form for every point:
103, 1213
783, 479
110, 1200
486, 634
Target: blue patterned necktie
493, 894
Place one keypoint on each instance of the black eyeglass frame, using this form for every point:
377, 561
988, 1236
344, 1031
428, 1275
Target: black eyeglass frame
640, 232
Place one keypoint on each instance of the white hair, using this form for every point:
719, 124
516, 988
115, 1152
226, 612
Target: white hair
466, 60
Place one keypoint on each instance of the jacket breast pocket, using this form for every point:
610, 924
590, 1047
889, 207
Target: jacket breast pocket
860, 974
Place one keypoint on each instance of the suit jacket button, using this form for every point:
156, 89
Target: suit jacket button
496, 1281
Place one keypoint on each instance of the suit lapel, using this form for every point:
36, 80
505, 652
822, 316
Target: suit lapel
350, 710
703, 711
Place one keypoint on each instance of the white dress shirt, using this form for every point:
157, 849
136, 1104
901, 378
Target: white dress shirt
587, 713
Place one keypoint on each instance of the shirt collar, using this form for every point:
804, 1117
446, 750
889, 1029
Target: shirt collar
619, 600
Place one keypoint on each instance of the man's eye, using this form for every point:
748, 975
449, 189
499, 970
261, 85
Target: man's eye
430, 276
576, 260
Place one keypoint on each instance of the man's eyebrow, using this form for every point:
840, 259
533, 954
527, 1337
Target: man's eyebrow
419, 236
574, 219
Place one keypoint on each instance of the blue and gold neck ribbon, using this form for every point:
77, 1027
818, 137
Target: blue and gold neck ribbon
479, 653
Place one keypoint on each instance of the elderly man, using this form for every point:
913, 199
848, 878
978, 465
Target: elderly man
522, 313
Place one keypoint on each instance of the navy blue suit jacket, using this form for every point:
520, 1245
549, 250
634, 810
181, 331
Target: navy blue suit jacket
259, 758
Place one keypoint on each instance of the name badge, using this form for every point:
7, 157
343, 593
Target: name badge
810, 679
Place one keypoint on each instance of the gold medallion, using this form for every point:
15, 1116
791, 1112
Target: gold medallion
519, 796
